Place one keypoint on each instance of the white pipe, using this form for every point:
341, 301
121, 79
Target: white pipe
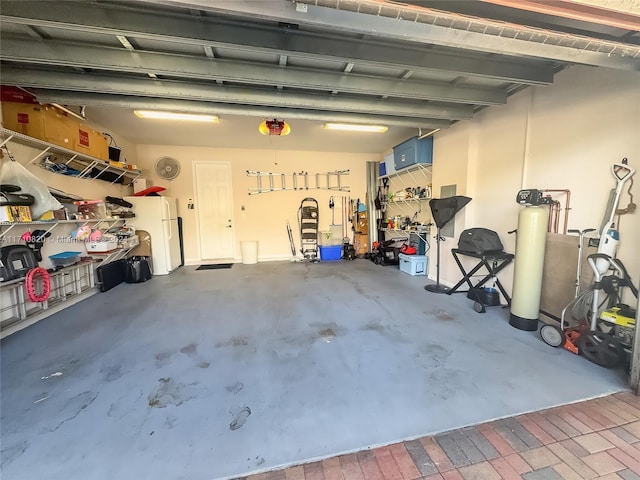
527, 142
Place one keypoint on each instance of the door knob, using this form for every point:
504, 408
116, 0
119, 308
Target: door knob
228, 226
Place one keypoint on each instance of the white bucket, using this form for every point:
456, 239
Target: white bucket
249, 252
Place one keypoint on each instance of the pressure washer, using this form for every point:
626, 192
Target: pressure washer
600, 329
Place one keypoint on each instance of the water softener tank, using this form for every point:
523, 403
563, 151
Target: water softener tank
529, 261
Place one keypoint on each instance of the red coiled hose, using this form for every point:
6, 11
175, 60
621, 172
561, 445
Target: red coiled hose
41, 273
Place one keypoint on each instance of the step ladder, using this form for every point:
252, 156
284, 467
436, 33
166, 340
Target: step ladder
277, 182
308, 220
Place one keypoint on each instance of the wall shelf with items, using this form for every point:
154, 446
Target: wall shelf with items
88, 167
404, 194
410, 236
119, 253
6, 227
68, 285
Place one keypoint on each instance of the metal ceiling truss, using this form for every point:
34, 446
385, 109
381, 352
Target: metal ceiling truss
150, 103
216, 33
434, 27
202, 68
355, 61
236, 95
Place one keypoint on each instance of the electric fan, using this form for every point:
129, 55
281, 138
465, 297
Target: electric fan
168, 168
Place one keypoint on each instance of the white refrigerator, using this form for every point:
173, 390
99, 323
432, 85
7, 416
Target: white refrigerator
159, 217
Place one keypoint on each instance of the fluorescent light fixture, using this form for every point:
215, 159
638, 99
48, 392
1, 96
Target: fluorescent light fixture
190, 117
355, 127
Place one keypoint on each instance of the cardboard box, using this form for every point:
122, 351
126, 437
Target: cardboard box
90, 210
126, 166
50, 215
361, 243
15, 214
90, 142
362, 226
43, 122
140, 184
9, 93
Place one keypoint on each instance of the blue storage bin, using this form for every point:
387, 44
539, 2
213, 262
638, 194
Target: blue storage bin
333, 252
387, 166
65, 259
413, 151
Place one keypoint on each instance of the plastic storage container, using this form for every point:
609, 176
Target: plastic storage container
64, 259
413, 151
325, 238
328, 253
413, 264
101, 246
387, 166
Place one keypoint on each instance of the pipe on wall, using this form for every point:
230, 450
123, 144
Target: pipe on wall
566, 207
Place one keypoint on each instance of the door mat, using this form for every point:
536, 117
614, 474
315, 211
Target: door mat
215, 266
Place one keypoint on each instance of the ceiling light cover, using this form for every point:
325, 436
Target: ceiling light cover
189, 117
355, 127
274, 127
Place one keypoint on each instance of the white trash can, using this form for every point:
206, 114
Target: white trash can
249, 252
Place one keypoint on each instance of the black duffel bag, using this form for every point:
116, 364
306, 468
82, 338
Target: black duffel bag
137, 269
480, 241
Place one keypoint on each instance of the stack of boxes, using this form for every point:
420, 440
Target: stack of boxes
361, 237
22, 113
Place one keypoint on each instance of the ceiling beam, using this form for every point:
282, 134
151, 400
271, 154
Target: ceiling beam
117, 101
35, 78
119, 60
185, 29
598, 12
397, 28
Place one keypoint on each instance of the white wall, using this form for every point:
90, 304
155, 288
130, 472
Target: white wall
265, 215
563, 136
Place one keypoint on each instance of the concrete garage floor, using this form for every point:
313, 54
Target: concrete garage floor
219, 373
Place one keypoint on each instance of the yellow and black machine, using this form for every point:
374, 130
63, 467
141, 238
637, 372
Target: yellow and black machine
596, 323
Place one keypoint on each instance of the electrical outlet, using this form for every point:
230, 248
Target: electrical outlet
190, 204
301, 7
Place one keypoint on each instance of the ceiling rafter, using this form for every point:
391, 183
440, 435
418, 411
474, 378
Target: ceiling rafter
435, 27
123, 101
370, 60
98, 18
118, 60
203, 92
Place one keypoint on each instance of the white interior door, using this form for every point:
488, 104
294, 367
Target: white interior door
214, 207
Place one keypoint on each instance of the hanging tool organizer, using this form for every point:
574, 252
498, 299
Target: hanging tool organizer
276, 182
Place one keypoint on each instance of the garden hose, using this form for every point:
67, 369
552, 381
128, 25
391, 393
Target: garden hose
43, 275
